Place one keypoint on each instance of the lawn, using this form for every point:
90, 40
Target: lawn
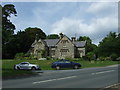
7, 65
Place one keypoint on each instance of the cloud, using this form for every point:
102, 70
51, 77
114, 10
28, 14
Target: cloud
95, 19
103, 8
96, 30
102, 18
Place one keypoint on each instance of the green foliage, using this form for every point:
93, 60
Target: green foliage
90, 56
43, 52
118, 59
102, 58
108, 58
7, 26
21, 42
90, 47
85, 38
48, 58
52, 36
114, 56
7, 29
109, 45
19, 56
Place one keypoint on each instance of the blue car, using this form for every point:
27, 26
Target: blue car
65, 64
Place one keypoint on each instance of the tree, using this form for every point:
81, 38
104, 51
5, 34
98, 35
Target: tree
90, 56
7, 26
21, 42
85, 38
89, 46
52, 36
109, 45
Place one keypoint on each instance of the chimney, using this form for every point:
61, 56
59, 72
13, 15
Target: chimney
61, 35
73, 39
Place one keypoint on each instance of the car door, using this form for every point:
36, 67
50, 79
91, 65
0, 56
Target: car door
61, 64
26, 66
68, 64
21, 65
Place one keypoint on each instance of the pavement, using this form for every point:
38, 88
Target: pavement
79, 78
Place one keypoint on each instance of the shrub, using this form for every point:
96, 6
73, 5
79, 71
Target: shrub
113, 56
48, 58
102, 58
19, 56
107, 58
118, 59
90, 56
68, 58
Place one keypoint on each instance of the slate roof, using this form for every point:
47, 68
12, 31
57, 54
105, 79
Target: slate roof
53, 42
79, 43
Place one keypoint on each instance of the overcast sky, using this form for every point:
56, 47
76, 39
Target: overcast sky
93, 19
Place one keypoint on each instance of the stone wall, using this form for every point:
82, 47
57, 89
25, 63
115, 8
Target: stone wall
65, 49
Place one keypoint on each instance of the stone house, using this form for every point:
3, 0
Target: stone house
58, 48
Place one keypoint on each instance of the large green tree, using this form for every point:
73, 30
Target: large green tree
110, 45
7, 28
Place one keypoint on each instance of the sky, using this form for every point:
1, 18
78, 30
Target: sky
92, 19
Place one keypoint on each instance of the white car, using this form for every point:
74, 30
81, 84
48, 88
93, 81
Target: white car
26, 66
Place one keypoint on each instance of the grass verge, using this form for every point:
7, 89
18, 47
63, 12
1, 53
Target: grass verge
8, 71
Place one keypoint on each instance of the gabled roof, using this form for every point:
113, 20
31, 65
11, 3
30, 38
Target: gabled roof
51, 42
66, 37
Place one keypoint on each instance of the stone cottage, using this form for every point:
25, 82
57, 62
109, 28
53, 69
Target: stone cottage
58, 48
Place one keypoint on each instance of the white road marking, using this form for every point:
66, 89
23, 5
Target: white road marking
53, 79
112, 85
103, 72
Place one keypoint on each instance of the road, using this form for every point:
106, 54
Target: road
98, 77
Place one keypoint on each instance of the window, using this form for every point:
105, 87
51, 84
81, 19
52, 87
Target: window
64, 41
61, 62
24, 63
67, 61
64, 52
80, 51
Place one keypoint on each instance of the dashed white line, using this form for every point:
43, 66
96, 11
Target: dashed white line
53, 79
103, 72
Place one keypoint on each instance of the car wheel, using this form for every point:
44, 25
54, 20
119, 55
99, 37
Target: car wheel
57, 67
76, 67
33, 68
14, 67
18, 68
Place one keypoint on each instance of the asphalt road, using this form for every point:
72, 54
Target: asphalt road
99, 77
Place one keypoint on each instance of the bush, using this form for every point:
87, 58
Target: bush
90, 56
19, 56
48, 58
102, 58
27, 56
107, 58
118, 59
113, 56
